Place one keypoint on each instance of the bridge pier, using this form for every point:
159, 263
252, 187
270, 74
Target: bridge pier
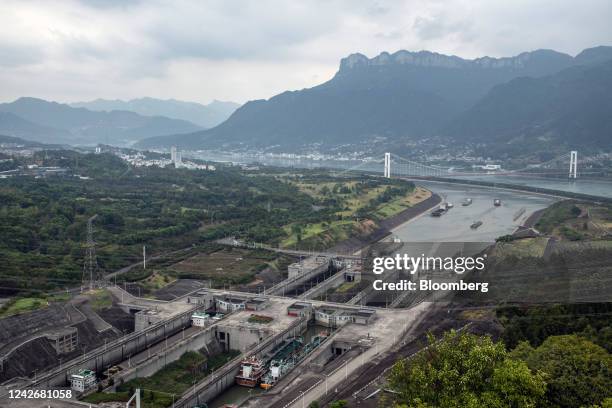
573, 167
387, 165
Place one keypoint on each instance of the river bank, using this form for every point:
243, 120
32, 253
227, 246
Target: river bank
386, 226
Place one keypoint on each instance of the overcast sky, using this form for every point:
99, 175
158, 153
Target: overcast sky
240, 50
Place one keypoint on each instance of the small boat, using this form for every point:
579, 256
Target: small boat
497, 202
466, 202
438, 212
449, 206
476, 224
251, 371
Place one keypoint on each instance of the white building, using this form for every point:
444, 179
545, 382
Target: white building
173, 154
488, 167
200, 319
338, 317
83, 380
229, 304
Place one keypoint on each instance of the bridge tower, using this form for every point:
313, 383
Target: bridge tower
387, 165
573, 167
90, 266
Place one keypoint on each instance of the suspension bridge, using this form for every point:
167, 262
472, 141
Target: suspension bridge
566, 165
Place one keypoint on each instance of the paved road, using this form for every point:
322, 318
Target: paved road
152, 258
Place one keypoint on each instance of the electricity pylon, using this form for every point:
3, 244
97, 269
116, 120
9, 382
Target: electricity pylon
90, 266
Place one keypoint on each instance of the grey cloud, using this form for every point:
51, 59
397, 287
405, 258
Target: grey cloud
232, 30
440, 26
105, 4
14, 55
251, 49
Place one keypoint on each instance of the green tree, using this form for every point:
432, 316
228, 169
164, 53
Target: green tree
339, 404
579, 372
465, 370
297, 230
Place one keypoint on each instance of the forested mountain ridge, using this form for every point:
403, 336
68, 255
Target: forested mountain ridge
572, 107
406, 96
52, 122
207, 116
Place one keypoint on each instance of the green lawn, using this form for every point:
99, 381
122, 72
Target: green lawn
346, 286
101, 299
522, 248
178, 376
21, 305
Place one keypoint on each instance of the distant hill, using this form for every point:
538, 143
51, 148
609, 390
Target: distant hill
52, 122
572, 107
206, 116
11, 140
401, 96
13, 125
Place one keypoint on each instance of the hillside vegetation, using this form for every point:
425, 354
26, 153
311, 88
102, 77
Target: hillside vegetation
43, 222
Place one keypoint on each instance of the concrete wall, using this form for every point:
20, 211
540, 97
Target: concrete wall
163, 358
292, 283
241, 338
320, 289
114, 352
210, 388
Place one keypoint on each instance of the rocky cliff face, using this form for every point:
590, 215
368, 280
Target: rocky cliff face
522, 61
404, 96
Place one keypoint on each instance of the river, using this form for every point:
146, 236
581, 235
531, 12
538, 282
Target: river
586, 186
455, 224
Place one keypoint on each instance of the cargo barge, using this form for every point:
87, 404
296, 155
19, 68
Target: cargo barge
251, 371
438, 212
287, 358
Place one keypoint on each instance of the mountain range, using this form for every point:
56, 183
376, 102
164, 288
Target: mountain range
573, 106
410, 96
206, 116
17, 141
51, 122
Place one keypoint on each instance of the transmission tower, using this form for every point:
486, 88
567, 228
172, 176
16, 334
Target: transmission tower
90, 266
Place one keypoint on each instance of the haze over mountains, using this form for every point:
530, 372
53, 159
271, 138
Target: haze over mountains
541, 98
573, 106
408, 96
206, 116
51, 122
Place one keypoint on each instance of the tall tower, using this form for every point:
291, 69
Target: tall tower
388, 165
173, 154
573, 167
90, 266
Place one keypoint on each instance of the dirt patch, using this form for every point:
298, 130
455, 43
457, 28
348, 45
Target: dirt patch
178, 288
40, 355
231, 266
118, 318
